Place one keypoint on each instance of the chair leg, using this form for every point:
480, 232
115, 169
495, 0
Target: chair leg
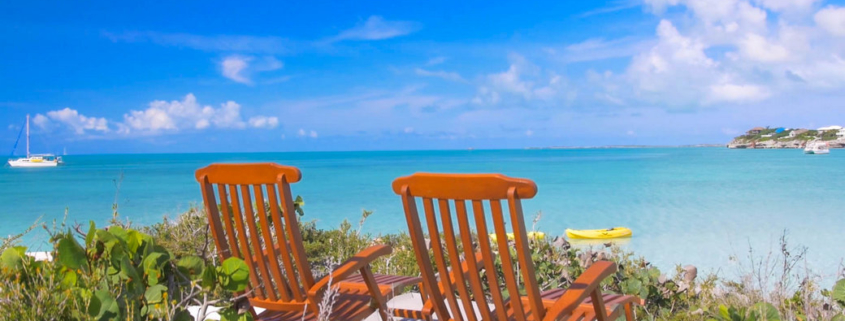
629, 313
375, 292
598, 305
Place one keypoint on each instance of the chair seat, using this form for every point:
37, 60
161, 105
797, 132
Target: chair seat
390, 285
353, 301
350, 305
409, 305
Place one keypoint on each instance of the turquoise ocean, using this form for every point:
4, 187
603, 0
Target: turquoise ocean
697, 206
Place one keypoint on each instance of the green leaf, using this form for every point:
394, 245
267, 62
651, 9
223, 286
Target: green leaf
13, 258
838, 293
109, 309
233, 274
134, 241
152, 266
69, 279
92, 230
298, 204
724, 312
119, 233
154, 293
765, 312
183, 315
71, 254
838, 317
653, 273
94, 306
191, 266
209, 279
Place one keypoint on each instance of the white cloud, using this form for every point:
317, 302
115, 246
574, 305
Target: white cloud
757, 48
409, 130
242, 68
529, 133
72, 119
594, 49
786, 5
376, 28
451, 76
185, 114
233, 67
730, 51
264, 122
224, 43
40, 120
832, 19
510, 80
737, 93
304, 133
522, 80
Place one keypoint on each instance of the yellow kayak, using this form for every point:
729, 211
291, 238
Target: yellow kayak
609, 233
531, 236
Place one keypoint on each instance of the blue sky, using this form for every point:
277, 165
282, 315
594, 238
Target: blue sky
110, 77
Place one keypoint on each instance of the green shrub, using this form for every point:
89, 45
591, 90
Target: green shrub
113, 274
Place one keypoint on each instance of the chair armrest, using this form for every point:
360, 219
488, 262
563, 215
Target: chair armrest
352, 265
581, 289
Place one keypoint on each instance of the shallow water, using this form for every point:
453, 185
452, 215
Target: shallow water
685, 205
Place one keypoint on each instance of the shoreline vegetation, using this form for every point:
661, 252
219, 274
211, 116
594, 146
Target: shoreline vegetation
788, 138
93, 283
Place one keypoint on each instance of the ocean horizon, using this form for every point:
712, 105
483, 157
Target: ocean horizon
700, 206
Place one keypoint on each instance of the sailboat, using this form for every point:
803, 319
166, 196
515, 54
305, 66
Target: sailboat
34, 160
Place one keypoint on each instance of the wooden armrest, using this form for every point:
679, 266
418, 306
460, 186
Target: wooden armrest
581, 289
352, 265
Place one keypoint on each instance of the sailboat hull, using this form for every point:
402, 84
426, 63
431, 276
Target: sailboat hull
23, 162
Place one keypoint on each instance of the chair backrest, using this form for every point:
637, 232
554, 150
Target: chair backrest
451, 243
252, 217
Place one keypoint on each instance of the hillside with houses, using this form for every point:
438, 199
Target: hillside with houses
760, 137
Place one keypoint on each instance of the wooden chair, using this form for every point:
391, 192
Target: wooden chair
451, 243
252, 217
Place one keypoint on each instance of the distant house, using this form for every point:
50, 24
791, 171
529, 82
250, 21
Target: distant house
841, 134
824, 129
756, 131
797, 132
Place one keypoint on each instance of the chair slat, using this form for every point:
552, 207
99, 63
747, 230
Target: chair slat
284, 249
216, 230
474, 279
255, 285
505, 255
523, 254
489, 269
258, 251
418, 241
272, 258
293, 233
442, 267
454, 257
227, 220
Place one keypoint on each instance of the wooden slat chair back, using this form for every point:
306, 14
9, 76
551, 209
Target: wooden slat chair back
455, 211
455, 208
252, 217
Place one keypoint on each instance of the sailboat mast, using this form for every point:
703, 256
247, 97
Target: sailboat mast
27, 135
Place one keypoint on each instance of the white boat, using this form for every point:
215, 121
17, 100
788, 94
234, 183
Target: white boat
34, 160
817, 148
